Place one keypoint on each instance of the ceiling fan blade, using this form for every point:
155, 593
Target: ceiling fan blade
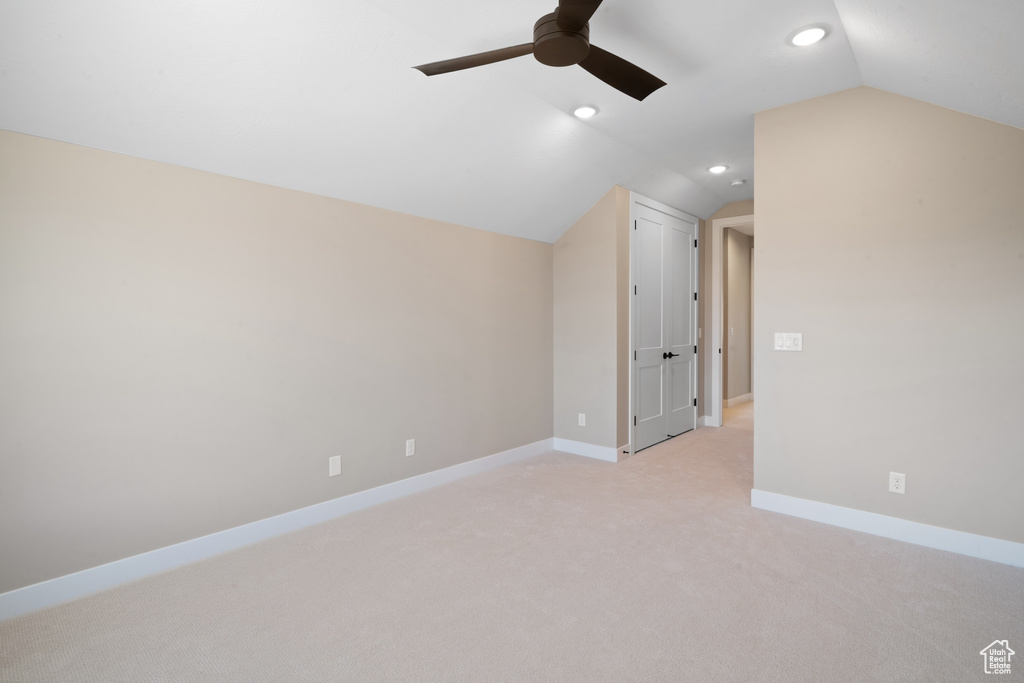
573, 15
620, 74
479, 59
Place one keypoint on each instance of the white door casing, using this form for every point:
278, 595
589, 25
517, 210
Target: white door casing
663, 321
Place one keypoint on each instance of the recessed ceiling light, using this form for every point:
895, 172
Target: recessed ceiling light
718, 169
808, 35
738, 182
584, 112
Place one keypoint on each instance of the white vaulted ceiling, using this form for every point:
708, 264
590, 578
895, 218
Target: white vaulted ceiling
320, 96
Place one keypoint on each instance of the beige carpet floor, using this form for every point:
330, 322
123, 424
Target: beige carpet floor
557, 568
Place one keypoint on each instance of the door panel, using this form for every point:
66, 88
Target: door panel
650, 299
681, 417
650, 401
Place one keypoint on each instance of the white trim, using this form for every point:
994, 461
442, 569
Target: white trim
745, 398
64, 588
635, 198
962, 542
631, 417
718, 227
588, 449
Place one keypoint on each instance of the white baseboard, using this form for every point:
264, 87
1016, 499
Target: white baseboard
588, 449
745, 398
72, 586
984, 547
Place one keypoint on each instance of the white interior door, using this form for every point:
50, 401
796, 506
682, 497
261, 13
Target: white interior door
681, 265
664, 323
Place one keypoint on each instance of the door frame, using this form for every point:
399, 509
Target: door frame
634, 199
718, 226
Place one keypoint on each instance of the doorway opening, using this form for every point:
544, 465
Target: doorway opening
719, 331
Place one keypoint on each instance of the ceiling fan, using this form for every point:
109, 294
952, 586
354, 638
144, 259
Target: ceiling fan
562, 38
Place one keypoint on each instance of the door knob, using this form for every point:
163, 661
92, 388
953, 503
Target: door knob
668, 355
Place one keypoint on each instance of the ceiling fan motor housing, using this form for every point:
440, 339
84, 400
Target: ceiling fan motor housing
553, 45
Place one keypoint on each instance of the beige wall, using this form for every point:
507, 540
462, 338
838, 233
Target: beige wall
591, 324
734, 209
731, 210
890, 232
181, 352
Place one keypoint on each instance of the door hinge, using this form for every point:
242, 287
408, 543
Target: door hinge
695, 296
634, 420
634, 355
695, 348
634, 225
695, 244
694, 401
634, 290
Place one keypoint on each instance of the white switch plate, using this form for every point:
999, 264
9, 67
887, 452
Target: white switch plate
335, 465
583, 420
789, 341
410, 447
897, 482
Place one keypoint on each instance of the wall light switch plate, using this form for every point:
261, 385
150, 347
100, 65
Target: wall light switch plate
789, 341
582, 420
410, 447
335, 465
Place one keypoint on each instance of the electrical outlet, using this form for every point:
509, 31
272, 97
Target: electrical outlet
410, 447
583, 420
897, 482
334, 465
